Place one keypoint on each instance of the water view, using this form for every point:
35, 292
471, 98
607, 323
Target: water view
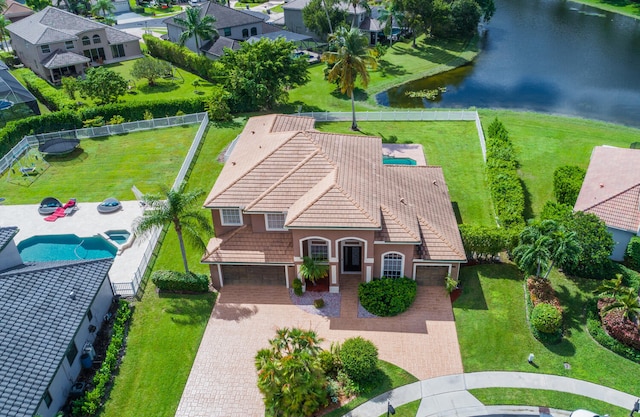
548, 56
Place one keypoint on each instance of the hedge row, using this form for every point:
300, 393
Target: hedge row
184, 58
89, 404
53, 98
15, 130
178, 281
505, 185
485, 243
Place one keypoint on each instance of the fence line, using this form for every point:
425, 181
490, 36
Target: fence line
130, 289
407, 115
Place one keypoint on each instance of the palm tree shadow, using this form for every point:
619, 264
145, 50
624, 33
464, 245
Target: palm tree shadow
387, 68
358, 94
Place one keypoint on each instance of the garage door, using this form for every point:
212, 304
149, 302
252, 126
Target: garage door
253, 275
431, 275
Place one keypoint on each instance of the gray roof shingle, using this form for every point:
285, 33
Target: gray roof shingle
38, 320
51, 25
6, 236
225, 17
60, 59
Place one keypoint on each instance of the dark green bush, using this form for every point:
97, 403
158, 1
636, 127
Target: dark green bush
15, 130
53, 98
318, 303
567, 181
387, 296
359, 358
179, 281
136, 111
546, 338
297, 287
484, 243
632, 254
546, 318
329, 363
597, 244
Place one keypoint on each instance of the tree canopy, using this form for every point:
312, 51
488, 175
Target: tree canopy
150, 68
103, 85
260, 73
314, 16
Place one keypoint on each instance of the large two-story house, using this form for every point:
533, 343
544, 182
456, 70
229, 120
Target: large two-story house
289, 191
54, 43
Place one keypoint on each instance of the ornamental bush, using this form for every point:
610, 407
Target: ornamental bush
484, 243
632, 254
567, 181
546, 318
179, 281
359, 358
600, 335
387, 296
53, 98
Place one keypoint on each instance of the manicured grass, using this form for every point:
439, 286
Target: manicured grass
179, 87
390, 377
407, 410
167, 329
400, 64
454, 146
625, 7
543, 143
277, 9
490, 318
545, 398
108, 167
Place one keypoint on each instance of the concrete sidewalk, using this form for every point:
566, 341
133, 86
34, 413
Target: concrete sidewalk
448, 395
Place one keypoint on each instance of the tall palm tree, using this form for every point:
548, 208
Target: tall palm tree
388, 14
351, 58
627, 303
196, 26
177, 207
565, 247
4, 22
102, 7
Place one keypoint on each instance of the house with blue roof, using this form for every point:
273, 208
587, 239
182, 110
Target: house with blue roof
50, 314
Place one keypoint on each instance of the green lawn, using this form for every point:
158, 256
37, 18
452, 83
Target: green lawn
545, 398
543, 143
400, 64
454, 146
391, 377
115, 163
493, 333
407, 410
167, 329
625, 7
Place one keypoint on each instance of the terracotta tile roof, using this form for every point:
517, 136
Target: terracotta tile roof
325, 180
611, 187
244, 246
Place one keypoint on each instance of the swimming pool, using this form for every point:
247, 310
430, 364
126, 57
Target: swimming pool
118, 236
65, 248
390, 160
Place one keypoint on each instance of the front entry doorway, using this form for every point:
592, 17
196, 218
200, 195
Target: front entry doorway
351, 258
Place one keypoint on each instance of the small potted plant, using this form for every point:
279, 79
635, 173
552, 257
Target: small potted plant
452, 288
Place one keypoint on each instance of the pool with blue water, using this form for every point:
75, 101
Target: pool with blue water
390, 160
48, 248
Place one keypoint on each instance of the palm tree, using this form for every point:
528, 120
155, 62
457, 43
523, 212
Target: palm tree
533, 256
350, 59
4, 22
177, 207
312, 270
388, 14
196, 26
611, 287
565, 247
627, 303
102, 7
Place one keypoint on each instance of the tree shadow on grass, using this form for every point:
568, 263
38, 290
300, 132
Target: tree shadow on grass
358, 94
387, 68
290, 108
188, 309
160, 87
431, 54
528, 209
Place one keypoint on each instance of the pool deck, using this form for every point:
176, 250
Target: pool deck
410, 150
83, 222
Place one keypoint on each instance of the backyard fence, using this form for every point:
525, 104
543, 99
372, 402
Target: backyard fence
130, 289
406, 115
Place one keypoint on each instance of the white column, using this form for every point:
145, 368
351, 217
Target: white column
368, 276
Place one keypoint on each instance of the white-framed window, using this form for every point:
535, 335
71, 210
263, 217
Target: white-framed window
96, 39
275, 221
45, 49
231, 217
319, 250
392, 265
86, 41
68, 44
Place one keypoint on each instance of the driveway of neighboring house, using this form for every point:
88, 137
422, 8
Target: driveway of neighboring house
222, 382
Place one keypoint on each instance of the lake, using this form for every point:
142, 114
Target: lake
546, 56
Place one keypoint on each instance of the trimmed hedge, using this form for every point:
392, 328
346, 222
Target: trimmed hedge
15, 130
387, 296
179, 281
567, 181
359, 358
600, 335
53, 98
547, 338
484, 243
90, 403
546, 318
506, 188
632, 254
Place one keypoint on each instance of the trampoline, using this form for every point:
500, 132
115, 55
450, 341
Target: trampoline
59, 146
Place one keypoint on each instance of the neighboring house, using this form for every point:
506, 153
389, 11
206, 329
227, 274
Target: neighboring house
611, 191
288, 191
55, 43
365, 21
16, 11
49, 315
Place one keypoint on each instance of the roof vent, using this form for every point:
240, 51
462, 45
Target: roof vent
403, 201
72, 295
435, 183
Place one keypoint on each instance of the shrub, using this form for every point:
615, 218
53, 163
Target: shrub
217, 104
359, 358
624, 331
53, 98
15, 130
95, 122
297, 287
179, 281
597, 244
116, 120
387, 296
632, 254
567, 181
330, 363
485, 243
318, 303
546, 318
600, 335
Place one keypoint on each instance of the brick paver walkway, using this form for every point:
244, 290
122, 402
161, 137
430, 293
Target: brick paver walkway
223, 378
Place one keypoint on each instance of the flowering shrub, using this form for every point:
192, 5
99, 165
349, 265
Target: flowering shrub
624, 331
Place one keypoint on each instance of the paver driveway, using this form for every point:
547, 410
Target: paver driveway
223, 378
